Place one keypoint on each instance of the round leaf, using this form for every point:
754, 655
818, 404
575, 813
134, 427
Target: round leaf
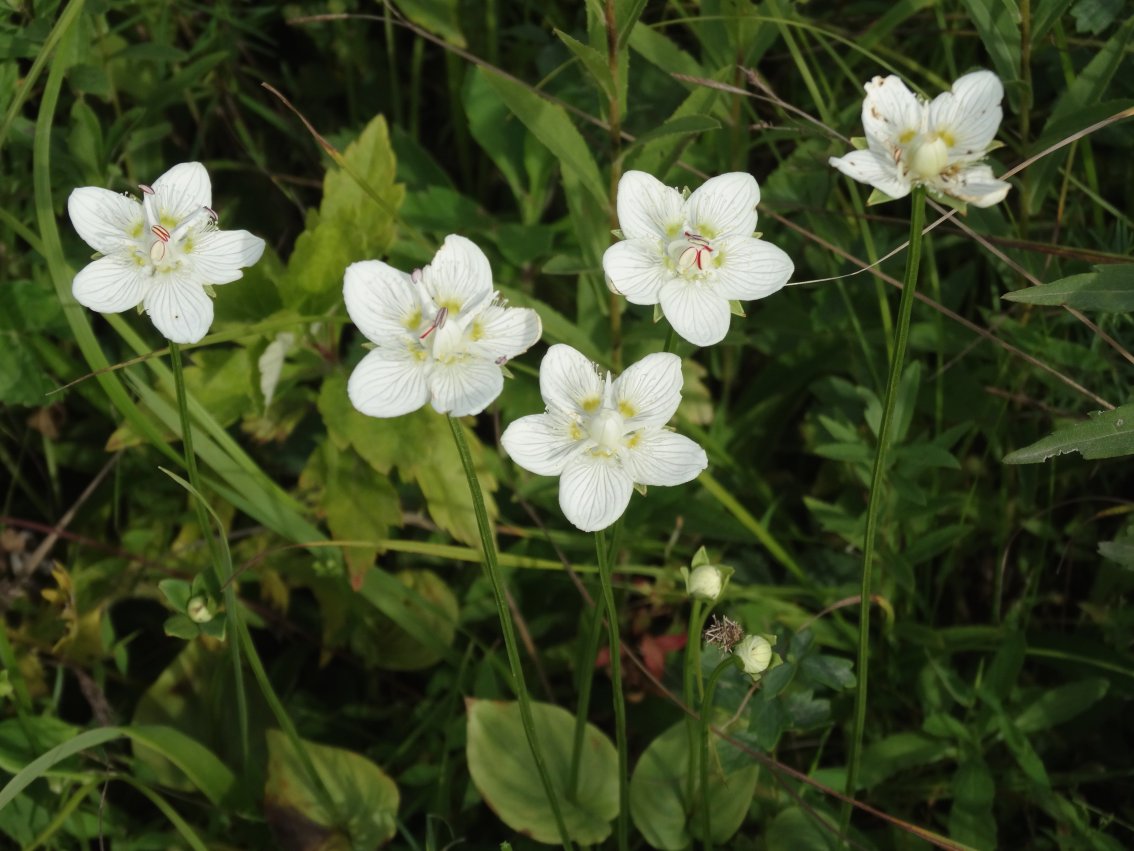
505, 773
660, 807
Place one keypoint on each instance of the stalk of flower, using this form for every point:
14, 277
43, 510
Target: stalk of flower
162, 252
939, 144
914, 147
695, 255
604, 436
441, 335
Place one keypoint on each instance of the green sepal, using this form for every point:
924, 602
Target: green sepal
859, 143
640, 488
658, 312
179, 626
949, 201
176, 592
211, 290
618, 234
877, 197
215, 628
736, 309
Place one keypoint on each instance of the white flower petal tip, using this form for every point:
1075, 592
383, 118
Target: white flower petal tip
672, 244
938, 144
442, 336
161, 251
603, 435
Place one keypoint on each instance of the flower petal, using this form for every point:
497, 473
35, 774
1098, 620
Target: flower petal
542, 443
594, 491
649, 391
969, 115
974, 185
388, 383
647, 208
110, 285
499, 331
179, 307
877, 170
107, 222
459, 276
465, 386
751, 268
661, 457
381, 301
568, 380
724, 206
183, 190
635, 269
218, 256
697, 312
889, 112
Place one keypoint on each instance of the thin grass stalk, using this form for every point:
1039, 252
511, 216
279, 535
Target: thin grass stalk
492, 568
604, 560
691, 670
220, 565
874, 504
586, 679
706, 731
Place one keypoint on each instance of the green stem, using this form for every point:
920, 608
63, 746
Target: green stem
224, 574
604, 559
873, 507
586, 665
691, 677
670, 340
492, 568
706, 724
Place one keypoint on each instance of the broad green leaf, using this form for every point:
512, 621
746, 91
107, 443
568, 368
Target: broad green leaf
350, 224
442, 17
680, 125
656, 156
1108, 288
897, 753
421, 448
1094, 16
593, 62
1120, 550
1060, 704
1105, 435
971, 819
1021, 748
364, 797
504, 772
831, 671
360, 503
22, 739
381, 642
796, 829
659, 804
657, 49
998, 24
550, 124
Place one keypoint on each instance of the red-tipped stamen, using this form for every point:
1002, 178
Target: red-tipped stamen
438, 322
160, 232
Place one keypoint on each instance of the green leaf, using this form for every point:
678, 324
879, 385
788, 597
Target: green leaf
1094, 16
1060, 704
384, 644
1120, 550
998, 24
897, 753
365, 799
504, 772
350, 225
442, 17
659, 804
971, 819
421, 448
551, 125
796, 829
594, 62
832, 671
681, 125
1105, 435
1108, 288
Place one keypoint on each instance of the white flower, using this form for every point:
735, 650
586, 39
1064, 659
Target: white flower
938, 144
692, 255
160, 253
705, 582
603, 436
441, 335
754, 653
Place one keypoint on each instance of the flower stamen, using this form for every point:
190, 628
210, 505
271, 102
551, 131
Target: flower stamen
437, 323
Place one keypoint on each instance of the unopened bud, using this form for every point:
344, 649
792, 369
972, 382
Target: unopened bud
754, 653
705, 582
198, 610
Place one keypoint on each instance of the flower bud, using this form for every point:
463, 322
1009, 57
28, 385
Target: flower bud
198, 610
705, 582
754, 653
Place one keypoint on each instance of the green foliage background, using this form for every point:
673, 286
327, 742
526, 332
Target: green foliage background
1002, 670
